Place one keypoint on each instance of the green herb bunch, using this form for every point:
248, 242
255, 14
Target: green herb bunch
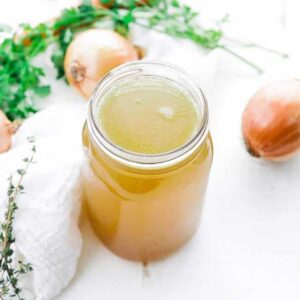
20, 79
10, 270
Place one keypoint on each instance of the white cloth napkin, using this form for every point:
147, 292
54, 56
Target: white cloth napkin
46, 225
46, 229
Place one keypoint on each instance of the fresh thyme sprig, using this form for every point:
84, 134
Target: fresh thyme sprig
10, 270
20, 79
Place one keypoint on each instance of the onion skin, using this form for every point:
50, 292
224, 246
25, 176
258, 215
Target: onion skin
92, 54
99, 4
110, 4
271, 121
7, 129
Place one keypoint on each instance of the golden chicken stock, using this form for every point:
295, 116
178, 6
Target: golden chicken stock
149, 157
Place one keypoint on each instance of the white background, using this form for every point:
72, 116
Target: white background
248, 246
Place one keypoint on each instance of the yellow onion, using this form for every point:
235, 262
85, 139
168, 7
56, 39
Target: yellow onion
94, 53
99, 3
110, 3
271, 121
7, 129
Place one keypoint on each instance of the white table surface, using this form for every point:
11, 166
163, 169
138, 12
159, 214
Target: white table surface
248, 246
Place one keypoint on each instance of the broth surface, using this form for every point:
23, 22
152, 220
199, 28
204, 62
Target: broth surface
148, 116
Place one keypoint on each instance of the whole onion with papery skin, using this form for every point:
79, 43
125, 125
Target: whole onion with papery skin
99, 3
92, 54
110, 3
271, 121
7, 129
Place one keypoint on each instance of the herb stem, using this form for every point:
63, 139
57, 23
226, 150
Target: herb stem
8, 220
240, 57
67, 21
225, 48
9, 283
258, 46
149, 27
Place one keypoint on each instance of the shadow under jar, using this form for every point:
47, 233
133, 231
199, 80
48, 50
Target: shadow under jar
149, 157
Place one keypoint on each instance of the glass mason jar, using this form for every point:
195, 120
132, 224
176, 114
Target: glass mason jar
144, 207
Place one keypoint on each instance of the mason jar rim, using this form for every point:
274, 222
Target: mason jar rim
140, 160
